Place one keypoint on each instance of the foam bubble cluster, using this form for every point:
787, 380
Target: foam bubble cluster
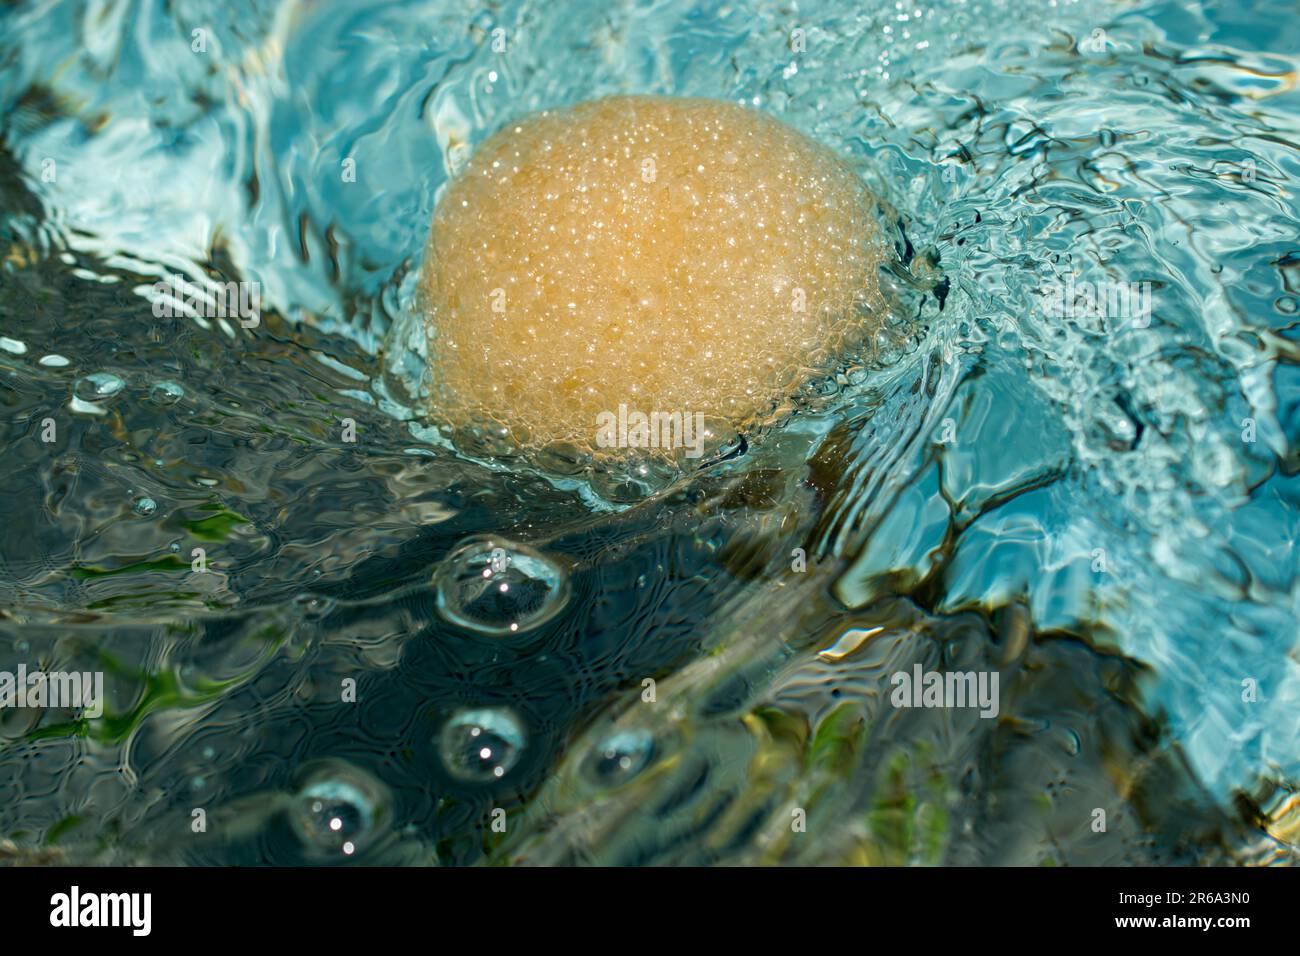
641, 255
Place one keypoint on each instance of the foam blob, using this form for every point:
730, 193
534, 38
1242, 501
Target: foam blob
649, 256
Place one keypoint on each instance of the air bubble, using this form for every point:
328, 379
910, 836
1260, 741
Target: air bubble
499, 587
338, 810
481, 746
97, 386
620, 757
166, 393
144, 506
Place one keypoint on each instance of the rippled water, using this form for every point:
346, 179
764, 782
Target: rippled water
1100, 509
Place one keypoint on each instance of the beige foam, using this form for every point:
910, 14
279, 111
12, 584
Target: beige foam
667, 255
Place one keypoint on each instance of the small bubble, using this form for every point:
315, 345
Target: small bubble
499, 587
166, 393
144, 506
480, 746
337, 809
620, 757
97, 386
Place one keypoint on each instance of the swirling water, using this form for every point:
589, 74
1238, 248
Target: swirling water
1101, 508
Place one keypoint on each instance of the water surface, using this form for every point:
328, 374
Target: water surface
1101, 508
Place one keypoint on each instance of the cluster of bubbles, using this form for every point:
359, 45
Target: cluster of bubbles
489, 585
338, 811
102, 386
630, 254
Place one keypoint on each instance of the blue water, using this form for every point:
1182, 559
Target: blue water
1118, 490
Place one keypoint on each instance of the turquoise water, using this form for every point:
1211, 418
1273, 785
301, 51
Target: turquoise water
1098, 505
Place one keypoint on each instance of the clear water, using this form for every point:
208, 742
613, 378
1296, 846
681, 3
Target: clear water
1102, 510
